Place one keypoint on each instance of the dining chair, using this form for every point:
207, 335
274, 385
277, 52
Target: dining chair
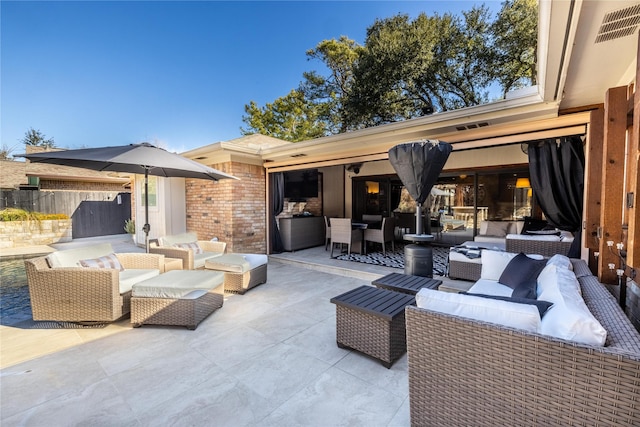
382, 235
343, 233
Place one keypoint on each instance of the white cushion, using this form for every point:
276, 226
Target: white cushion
178, 284
521, 316
539, 237
494, 263
200, 259
72, 257
236, 263
178, 238
131, 276
490, 287
561, 261
568, 318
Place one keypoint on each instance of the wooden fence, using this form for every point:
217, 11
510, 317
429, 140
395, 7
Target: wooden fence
93, 213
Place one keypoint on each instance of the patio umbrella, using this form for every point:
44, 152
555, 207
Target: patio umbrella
141, 159
418, 165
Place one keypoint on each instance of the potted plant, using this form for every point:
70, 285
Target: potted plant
130, 227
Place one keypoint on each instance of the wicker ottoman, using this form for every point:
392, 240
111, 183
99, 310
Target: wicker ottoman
461, 267
371, 320
177, 298
241, 271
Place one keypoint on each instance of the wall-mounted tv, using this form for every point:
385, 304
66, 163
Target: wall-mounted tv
301, 184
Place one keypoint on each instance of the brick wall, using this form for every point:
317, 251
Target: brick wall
231, 210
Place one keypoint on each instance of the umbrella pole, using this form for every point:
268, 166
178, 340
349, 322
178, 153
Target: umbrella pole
418, 218
146, 227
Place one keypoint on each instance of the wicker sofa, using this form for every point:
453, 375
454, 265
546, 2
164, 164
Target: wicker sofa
60, 290
176, 246
546, 246
513, 377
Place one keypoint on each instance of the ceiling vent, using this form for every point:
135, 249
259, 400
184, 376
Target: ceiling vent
472, 126
620, 23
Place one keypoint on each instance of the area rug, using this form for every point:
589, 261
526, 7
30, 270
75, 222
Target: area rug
395, 259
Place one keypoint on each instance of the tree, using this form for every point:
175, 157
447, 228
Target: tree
320, 98
292, 118
516, 36
37, 138
411, 68
5, 152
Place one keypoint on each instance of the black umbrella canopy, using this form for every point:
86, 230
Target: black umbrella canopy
418, 165
143, 158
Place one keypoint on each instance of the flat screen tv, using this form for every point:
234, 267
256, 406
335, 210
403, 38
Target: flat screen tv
301, 184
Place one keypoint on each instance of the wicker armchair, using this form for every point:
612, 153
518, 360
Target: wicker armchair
512, 377
382, 235
79, 294
190, 260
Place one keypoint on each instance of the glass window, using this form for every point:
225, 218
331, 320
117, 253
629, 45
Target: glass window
153, 191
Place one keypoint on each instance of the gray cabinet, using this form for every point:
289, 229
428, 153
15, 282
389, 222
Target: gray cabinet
302, 232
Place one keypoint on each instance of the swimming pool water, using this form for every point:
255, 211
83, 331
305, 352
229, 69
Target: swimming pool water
14, 291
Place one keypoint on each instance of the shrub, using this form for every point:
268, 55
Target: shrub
13, 214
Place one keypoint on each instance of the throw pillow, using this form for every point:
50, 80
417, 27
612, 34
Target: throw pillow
193, 245
521, 275
107, 261
542, 306
497, 228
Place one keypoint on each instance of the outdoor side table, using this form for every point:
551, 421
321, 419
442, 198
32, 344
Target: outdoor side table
371, 321
406, 283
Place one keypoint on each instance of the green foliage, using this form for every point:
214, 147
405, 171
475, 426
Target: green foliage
13, 214
407, 68
37, 138
291, 118
130, 226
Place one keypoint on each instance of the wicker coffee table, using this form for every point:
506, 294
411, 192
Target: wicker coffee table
406, 283
371, 321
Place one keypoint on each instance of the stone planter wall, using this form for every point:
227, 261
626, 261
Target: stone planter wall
15, 234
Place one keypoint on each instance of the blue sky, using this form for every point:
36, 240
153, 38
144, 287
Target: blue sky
177, 74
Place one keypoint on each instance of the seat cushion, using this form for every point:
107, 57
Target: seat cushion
521, 316
236, 263
201, 258
179, 284
131, 276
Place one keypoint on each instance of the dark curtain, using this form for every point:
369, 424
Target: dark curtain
277, 201
556, 168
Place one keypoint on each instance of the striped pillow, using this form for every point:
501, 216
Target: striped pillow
107, 261
193, 245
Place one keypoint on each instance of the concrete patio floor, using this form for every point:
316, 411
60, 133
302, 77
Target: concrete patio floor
268, 357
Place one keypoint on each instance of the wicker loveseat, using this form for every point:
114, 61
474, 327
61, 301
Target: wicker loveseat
176, 246
465, 372
68, 292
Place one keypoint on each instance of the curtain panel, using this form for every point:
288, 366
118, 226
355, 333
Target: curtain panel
556, 168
